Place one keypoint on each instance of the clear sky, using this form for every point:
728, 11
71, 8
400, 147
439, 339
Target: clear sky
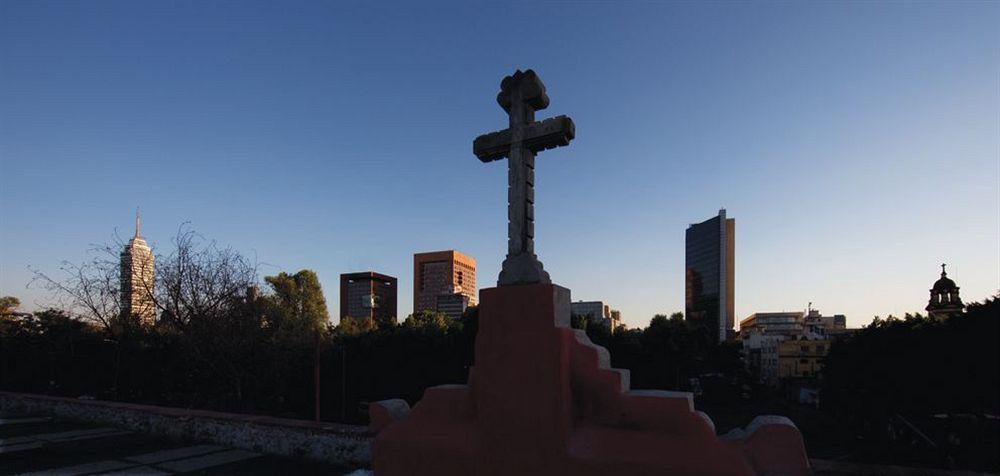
855, 143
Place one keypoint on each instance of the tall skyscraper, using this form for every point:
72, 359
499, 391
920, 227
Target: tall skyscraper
709, 277
368, 296
137, 279
440, 273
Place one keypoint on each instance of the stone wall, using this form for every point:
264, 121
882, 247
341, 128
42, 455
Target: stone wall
345, 445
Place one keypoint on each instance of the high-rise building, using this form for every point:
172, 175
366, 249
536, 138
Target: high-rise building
440, 273
137, 279
709, 278
368, 296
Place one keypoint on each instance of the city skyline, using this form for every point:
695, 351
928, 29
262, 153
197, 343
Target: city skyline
334, 293
875, 165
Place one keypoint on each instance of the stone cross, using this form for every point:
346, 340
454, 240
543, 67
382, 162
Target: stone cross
521, 95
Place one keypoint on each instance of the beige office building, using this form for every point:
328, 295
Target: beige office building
137, 279
441, 273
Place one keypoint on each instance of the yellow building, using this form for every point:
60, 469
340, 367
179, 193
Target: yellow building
801, 358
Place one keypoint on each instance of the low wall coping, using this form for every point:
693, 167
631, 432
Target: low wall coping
321, 441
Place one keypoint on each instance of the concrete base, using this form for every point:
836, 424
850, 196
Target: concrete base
542, 399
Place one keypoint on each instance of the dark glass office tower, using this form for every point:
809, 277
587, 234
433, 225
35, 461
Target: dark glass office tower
368, 296
709, 277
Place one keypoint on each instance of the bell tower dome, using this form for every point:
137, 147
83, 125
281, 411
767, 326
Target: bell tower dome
944, 301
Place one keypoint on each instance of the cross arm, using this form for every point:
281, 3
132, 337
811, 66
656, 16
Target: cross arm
492, 146
537, 136
549, 134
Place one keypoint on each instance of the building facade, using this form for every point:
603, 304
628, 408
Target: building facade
368, 296
828, 326
773, 323
593, 310
616, 319
788, 345
136, 275
709, 277
761, 333
597, 312
452, 305
801, 358
440, 273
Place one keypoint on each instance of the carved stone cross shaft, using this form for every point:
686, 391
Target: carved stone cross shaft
521, 95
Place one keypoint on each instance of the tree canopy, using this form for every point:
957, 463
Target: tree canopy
9, 304
297, 303
918, 364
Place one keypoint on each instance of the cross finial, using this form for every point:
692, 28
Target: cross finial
524, 87
943, 274
138, 222
521, 94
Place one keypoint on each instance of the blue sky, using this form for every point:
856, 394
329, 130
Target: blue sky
856, 144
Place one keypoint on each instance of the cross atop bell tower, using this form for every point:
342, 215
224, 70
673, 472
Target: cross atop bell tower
945, 300
520, 96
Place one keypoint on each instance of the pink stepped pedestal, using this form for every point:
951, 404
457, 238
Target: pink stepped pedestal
542, 399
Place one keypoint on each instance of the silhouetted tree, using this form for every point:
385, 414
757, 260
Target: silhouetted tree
298, 306
90, 290
913, 368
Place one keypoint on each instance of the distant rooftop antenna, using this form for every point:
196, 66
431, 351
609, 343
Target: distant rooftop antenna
138, 222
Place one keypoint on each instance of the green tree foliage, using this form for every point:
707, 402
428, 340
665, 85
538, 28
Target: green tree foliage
9, 304
427, 320
350, 327
298, 306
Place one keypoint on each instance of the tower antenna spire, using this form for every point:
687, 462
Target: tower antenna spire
138, 222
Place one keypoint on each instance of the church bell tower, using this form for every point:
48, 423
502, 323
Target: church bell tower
944, 301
